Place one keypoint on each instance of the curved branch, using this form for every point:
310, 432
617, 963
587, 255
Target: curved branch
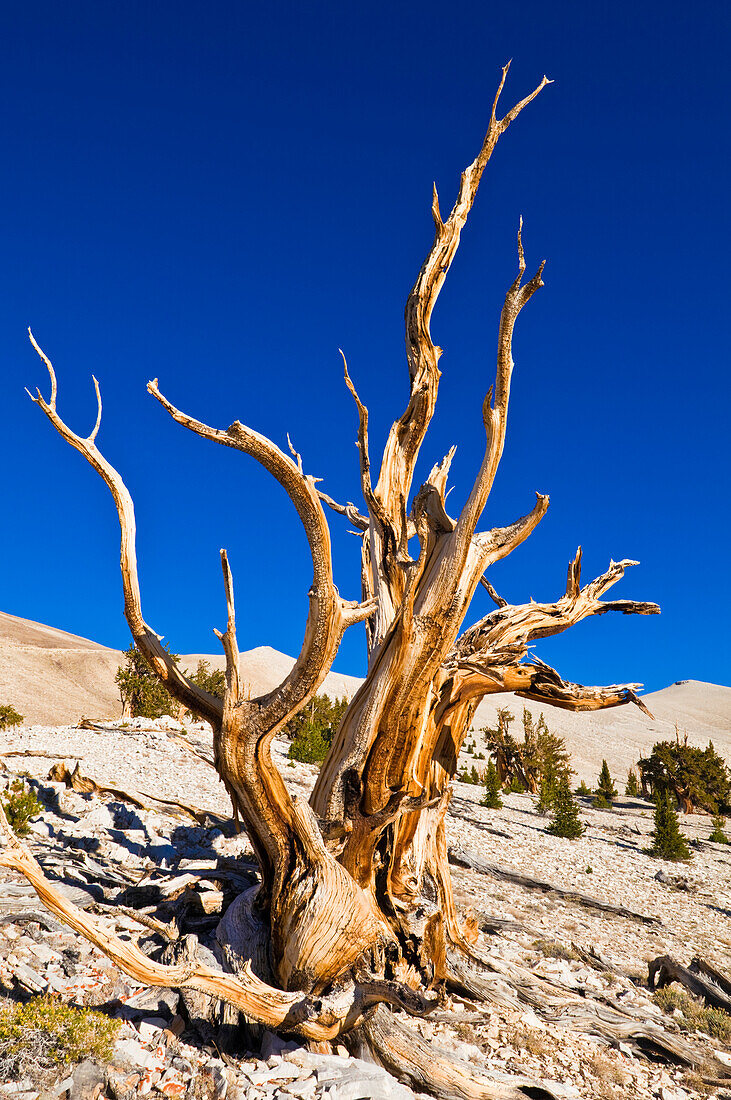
407, 434
146, 640
495, 413
348, 510
375, 510
503, 671
540, 682
524, 623
328, 615
228, 640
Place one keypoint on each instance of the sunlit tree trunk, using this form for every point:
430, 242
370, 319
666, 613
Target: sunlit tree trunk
355, 905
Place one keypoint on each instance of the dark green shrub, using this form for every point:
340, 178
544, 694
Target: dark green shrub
605, 786
212, 680
565, 821
471, 776
583, 789
697, 778
493, 787
668, 841
20, 806
9, 717
546, 794
718, 836
321, 714
142, 694
601, 803
632, 787
311, 744
515, 786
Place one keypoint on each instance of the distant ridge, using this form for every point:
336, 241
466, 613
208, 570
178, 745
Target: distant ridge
53, 678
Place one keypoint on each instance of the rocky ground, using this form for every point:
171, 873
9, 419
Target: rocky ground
130, 863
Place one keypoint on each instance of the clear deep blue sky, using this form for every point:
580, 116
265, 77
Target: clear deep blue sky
223, 194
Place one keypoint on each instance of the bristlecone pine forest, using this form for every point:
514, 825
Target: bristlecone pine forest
353, 928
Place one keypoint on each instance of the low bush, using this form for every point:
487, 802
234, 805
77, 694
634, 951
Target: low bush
565, 821
9, 717
493, 787
552, 949
20, 806
311, 744
605, 786
45, 1034
668, 841
718, 836
694, 1016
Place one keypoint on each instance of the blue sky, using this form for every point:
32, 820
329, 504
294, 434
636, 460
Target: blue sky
221, 195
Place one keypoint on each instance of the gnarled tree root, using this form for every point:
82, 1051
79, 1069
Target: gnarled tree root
701, 979
433, 1069
319, 1018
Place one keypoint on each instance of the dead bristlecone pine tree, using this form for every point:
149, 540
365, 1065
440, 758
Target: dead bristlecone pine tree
354, 915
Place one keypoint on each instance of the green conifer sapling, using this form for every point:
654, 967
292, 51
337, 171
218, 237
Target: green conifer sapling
565, 821
493, 787
668, 841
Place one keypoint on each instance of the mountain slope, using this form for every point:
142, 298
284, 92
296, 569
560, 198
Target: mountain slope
53, 678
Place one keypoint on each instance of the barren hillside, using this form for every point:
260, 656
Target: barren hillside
53, 678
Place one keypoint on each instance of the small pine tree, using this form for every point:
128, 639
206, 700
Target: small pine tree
583, 789
632, 787
565, 821
605, 786
311, 744
668, 841
492, 798
9, 717
211, 680
718, 836
142, 694
546, 794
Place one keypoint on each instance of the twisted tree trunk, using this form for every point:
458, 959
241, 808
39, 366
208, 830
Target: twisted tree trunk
355, 905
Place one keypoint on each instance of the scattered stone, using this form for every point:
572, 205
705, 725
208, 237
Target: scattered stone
87, 1081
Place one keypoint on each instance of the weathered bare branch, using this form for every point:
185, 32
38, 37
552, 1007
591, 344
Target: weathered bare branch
495, 413
228, 639
407, 434
525, 623
146, 640
494, 596
328, 615
348, 510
